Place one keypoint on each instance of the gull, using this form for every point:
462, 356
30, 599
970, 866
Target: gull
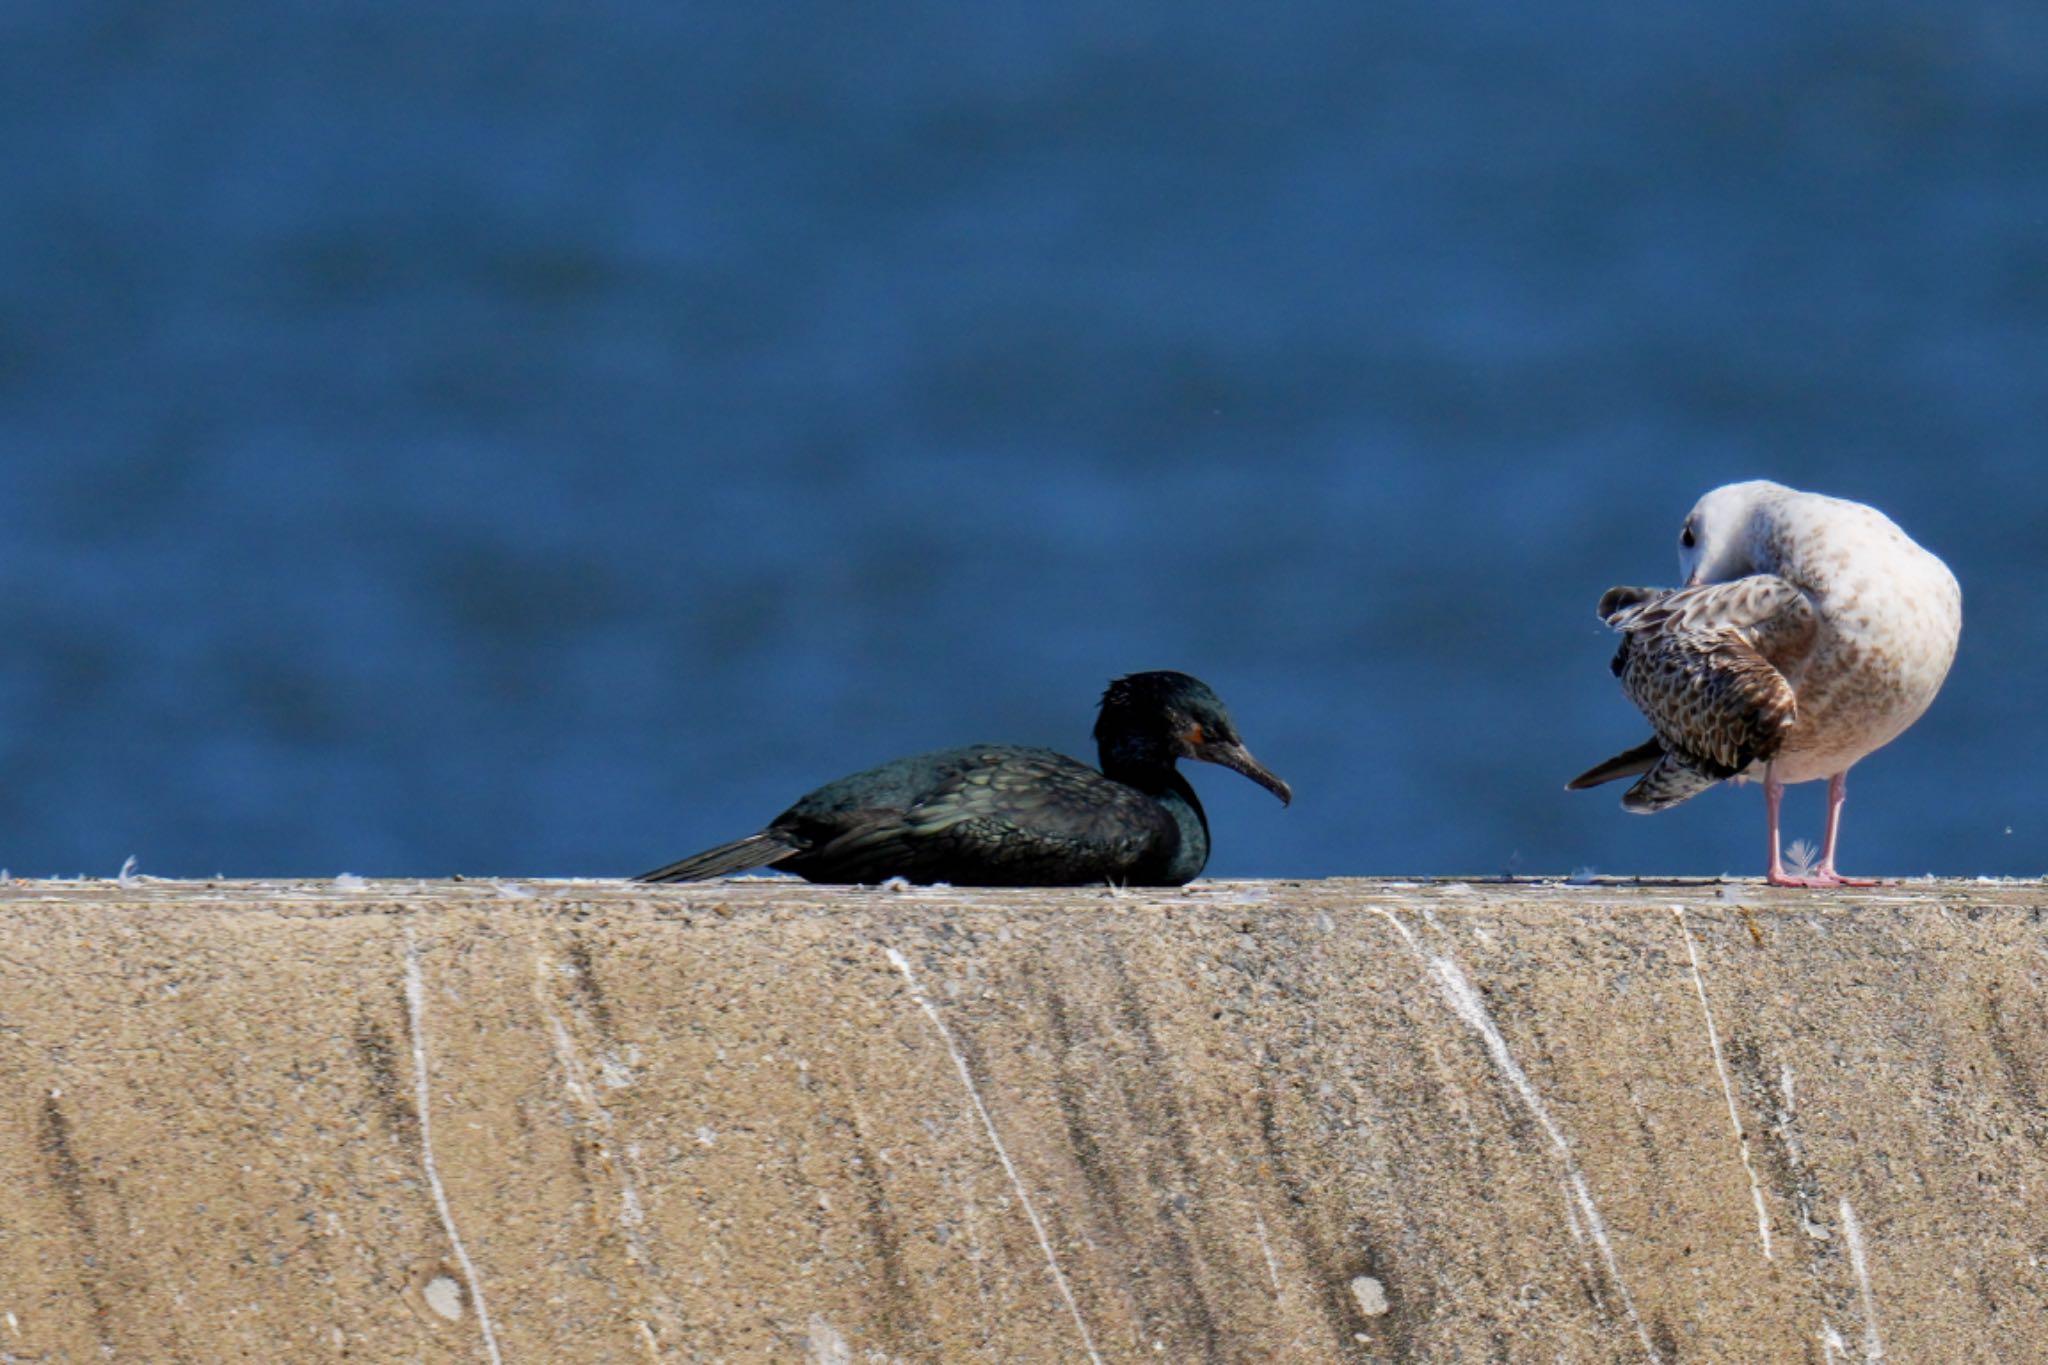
1811, 631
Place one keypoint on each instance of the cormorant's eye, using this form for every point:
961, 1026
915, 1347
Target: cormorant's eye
1688, 540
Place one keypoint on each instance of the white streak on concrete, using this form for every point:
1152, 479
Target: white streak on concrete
1466, 1002
1873, 1344
976, 1257
826, 1345
1833, 1348
572, 1066
1272, 1266
416, 1008
902, 964
1571, 1218
576, 1077
1788, 1113
1699, 984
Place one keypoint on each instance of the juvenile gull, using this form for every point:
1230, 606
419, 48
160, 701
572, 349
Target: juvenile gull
1810, 631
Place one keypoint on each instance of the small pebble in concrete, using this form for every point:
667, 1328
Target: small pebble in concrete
444, 1295
1371, 1296
436, 1291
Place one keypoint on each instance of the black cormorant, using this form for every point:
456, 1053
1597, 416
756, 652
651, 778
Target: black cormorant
1007, 815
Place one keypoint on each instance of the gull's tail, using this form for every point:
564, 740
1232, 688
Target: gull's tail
1625, 764
1666, 777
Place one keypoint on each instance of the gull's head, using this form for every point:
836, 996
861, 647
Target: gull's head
1726, 534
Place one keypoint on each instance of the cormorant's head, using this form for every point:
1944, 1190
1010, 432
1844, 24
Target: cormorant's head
1171, 715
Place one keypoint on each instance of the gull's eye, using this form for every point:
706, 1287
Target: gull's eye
1688, 539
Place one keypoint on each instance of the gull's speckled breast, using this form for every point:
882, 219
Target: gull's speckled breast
1890, 616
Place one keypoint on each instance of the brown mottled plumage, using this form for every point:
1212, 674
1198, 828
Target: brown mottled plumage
1702, 665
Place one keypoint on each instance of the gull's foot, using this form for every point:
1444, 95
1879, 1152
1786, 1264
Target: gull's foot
1817, 880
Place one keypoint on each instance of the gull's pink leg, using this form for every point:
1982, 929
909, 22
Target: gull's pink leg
1774, 793
1838, 792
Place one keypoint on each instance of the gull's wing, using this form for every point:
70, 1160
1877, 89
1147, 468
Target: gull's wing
1705, 666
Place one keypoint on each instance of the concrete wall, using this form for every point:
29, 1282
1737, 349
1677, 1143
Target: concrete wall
1340, 1121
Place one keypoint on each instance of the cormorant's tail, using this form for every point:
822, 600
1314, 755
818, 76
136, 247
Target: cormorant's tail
741, 855
1625, 764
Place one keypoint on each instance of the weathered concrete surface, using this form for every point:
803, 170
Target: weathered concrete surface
1342, 1121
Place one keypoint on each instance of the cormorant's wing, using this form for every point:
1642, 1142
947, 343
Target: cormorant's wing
1704, 666
1015, 817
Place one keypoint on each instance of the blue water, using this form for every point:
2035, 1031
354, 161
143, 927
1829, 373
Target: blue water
522, 439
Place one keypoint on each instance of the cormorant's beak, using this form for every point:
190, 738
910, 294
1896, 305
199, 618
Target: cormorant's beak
1237, 758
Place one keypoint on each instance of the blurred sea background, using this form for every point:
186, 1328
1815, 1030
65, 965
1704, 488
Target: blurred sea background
525, 439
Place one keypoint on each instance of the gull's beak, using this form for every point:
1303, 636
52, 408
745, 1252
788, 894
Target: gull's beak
1237, 758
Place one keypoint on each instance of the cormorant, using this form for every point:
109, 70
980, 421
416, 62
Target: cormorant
1008, 815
